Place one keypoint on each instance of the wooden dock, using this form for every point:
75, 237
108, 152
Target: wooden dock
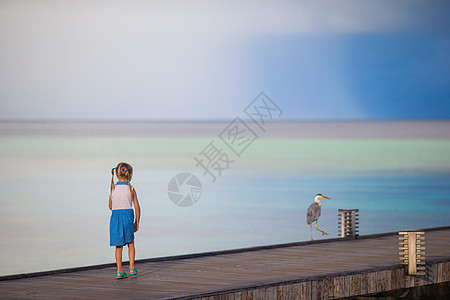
325, 269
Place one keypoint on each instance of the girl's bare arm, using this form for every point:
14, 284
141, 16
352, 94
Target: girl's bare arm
137, 210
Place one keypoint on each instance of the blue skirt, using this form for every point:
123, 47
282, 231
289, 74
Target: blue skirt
121, 227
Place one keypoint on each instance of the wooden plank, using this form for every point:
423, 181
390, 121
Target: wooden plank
294, 291
305, 290
440, 271
247, 295
338, 291
412, 263
355, 285
431, 273
398, 278
446, 272
364, 283
280, 292
409, 281
315, 289
371, 282
421, 280
327, 288
284, 291
270, 293
321, 289
346, 286
383, 281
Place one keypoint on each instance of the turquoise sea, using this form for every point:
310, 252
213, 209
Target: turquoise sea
55, 178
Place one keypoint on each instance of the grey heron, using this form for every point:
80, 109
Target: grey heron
313, 213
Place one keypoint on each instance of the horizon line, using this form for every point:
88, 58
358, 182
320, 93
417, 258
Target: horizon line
224, 120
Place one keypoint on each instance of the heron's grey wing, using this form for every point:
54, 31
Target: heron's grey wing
313, 213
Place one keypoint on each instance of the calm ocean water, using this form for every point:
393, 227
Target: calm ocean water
55, 179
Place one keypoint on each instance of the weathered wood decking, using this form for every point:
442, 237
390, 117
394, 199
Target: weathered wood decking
325, 269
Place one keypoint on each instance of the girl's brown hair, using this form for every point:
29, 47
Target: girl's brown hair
123, 171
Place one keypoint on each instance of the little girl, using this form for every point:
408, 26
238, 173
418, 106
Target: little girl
122, 225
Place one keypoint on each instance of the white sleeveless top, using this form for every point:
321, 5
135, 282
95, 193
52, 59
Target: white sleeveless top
121, 196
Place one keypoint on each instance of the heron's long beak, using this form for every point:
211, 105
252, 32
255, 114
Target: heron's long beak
326, 198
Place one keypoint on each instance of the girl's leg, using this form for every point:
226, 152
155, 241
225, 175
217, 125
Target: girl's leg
131, 253
119, 258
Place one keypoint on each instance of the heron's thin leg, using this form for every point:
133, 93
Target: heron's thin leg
323, 232
310, 227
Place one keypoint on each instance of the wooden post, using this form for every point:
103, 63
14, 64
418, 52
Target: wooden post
348, 223
412, 251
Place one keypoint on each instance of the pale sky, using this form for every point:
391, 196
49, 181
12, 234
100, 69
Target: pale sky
162, 60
